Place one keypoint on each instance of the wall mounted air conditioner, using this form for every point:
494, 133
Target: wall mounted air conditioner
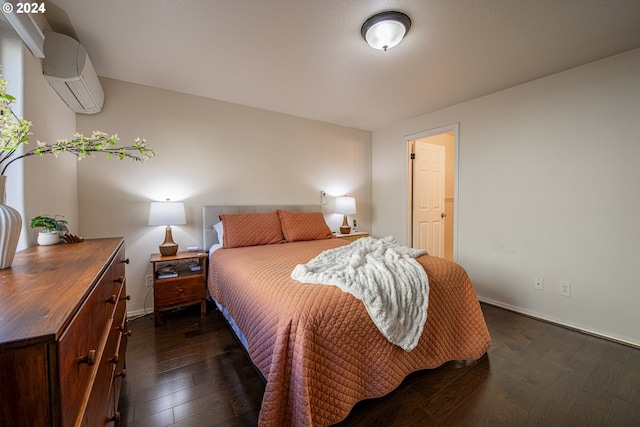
68, 69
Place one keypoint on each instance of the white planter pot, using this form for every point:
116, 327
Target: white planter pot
46, 239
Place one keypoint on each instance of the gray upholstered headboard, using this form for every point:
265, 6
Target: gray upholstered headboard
210, 216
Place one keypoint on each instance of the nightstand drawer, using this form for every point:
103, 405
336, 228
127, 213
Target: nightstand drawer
177, 291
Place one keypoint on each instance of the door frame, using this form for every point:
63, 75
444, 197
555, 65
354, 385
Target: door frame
408, 139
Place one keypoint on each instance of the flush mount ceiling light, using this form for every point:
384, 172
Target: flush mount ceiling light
386, 29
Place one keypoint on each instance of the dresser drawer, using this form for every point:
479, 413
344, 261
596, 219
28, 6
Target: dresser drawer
81, 346
121, 326
170, 292
113, 416
99, 407
116, 272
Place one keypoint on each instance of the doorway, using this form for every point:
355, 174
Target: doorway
432, 191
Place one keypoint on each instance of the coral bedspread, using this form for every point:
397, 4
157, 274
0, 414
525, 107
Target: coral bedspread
316, 345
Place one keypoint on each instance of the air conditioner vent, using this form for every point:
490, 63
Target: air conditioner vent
70, 73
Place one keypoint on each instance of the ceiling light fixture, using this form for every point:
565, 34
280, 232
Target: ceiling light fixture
384, 30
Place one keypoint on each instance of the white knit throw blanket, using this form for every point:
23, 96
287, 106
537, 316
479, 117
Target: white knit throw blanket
385, 276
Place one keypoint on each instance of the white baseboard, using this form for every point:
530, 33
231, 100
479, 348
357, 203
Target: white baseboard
555, 321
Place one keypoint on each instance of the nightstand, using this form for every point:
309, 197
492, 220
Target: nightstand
354, 235
182, 284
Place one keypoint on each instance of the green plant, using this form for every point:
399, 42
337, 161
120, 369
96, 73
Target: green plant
15, 131
50, 223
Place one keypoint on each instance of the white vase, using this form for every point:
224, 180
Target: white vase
10, 225
48, 238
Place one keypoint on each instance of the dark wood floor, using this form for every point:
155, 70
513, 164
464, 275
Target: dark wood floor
191, 372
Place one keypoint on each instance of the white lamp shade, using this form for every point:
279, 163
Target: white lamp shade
167, 213
346, 205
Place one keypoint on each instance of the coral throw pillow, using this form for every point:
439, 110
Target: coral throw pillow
251, 229
298, 226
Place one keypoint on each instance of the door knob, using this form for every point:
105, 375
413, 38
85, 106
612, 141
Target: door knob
442, 215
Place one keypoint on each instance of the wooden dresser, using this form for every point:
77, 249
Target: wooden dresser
63, 334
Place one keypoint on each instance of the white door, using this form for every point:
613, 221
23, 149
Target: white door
428, 197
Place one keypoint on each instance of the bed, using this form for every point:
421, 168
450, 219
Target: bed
316, 346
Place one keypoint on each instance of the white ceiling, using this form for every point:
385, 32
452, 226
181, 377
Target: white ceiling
307, 58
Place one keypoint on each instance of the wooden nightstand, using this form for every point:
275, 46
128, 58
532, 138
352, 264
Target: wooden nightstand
187, 288
354, 235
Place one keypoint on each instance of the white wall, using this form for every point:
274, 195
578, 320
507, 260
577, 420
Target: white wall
209, 152
548, 187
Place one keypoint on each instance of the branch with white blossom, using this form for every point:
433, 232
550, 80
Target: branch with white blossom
15, 131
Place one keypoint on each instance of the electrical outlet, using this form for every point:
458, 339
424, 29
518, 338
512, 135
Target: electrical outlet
538, 283
149, 281
565, 288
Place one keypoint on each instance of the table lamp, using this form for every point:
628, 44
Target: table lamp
345, 206
167, 213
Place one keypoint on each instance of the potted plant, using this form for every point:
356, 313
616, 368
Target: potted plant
51, 226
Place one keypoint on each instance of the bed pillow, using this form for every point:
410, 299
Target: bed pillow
251, 229
298, 226
219, 231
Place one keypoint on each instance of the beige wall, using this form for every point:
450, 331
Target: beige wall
210, 152
50, 182
548, 175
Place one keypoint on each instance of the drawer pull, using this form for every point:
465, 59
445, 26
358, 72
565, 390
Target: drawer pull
115, 418
89, 359
114, 359
127, 332
126, 260
128, 298
180, 290
122, 373
120, 280
113, 299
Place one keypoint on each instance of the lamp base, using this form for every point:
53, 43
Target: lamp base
345, 228
168, 247
168, 250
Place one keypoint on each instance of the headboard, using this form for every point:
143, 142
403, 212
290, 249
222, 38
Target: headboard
210, 217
